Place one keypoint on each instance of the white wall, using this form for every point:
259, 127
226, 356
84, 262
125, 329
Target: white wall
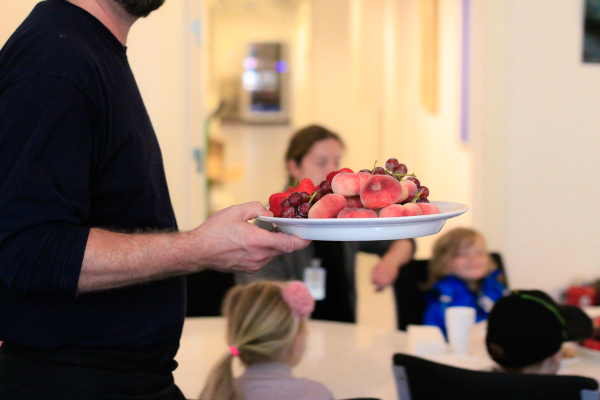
550, 101
13, 13
160, 54
428, 143
163, 54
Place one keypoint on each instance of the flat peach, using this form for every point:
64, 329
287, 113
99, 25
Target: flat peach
393, 210
348, 183
350, 212
329, 206
409, 192
412, 209
380, 191
354, 202
428, 208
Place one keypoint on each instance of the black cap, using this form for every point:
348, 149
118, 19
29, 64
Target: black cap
527, 326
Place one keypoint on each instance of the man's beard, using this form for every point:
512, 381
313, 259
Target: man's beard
139, 8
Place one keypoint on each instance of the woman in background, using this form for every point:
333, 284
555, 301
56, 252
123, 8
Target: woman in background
313, 152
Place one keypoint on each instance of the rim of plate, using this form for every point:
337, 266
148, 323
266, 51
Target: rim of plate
456, 209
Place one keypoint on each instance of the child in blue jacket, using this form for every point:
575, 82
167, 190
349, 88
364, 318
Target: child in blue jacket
461, 273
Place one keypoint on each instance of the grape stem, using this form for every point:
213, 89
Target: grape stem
374, 166
401, 175
417, 197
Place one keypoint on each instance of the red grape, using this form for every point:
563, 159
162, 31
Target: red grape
325, 187
365, 170
391, 164
317, 196
415, 181
285, 203
400, 169
420, 200
295, 199
289, 212
303, 209
425, 193
379, 171
305, 197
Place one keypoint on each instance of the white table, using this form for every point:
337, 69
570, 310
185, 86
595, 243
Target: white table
352, 360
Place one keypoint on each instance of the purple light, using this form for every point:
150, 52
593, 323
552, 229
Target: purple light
281, 67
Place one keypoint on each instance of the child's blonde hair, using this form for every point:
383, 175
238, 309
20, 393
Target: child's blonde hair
447, 247
261, 326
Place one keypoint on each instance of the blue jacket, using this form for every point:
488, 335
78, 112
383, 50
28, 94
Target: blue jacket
452, 291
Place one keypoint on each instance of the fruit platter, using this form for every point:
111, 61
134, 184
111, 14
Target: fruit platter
372, 204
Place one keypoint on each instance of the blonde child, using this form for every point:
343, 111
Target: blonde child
461, 273
267, 330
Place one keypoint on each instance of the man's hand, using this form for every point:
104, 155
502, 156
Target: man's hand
227, 242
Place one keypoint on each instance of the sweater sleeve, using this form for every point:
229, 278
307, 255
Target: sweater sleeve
45, 160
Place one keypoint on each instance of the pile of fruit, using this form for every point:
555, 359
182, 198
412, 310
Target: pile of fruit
370, 193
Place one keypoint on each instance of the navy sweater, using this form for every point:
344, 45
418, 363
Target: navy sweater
77, 150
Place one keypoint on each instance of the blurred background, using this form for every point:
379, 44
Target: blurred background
489, 102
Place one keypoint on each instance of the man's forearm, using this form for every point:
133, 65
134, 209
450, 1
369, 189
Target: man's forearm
225, 242
117, 259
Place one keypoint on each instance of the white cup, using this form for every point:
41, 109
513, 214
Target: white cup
459, 323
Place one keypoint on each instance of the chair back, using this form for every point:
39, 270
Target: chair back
420, 379
409, 293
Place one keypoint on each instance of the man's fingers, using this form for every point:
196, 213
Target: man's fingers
285, 243
252, 210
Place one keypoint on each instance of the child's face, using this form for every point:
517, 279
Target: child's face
471, 262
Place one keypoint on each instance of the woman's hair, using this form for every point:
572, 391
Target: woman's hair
446, 248
304, 139
261, 326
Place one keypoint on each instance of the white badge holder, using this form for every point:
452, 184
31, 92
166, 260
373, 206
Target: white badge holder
314, 279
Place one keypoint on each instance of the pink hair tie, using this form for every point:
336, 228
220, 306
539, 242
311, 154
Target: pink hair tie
234, 351
298, 297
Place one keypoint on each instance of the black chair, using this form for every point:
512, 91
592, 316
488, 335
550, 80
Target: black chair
206, 291
419, 379
409, 295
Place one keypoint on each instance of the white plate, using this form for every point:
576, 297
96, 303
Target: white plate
365, 229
